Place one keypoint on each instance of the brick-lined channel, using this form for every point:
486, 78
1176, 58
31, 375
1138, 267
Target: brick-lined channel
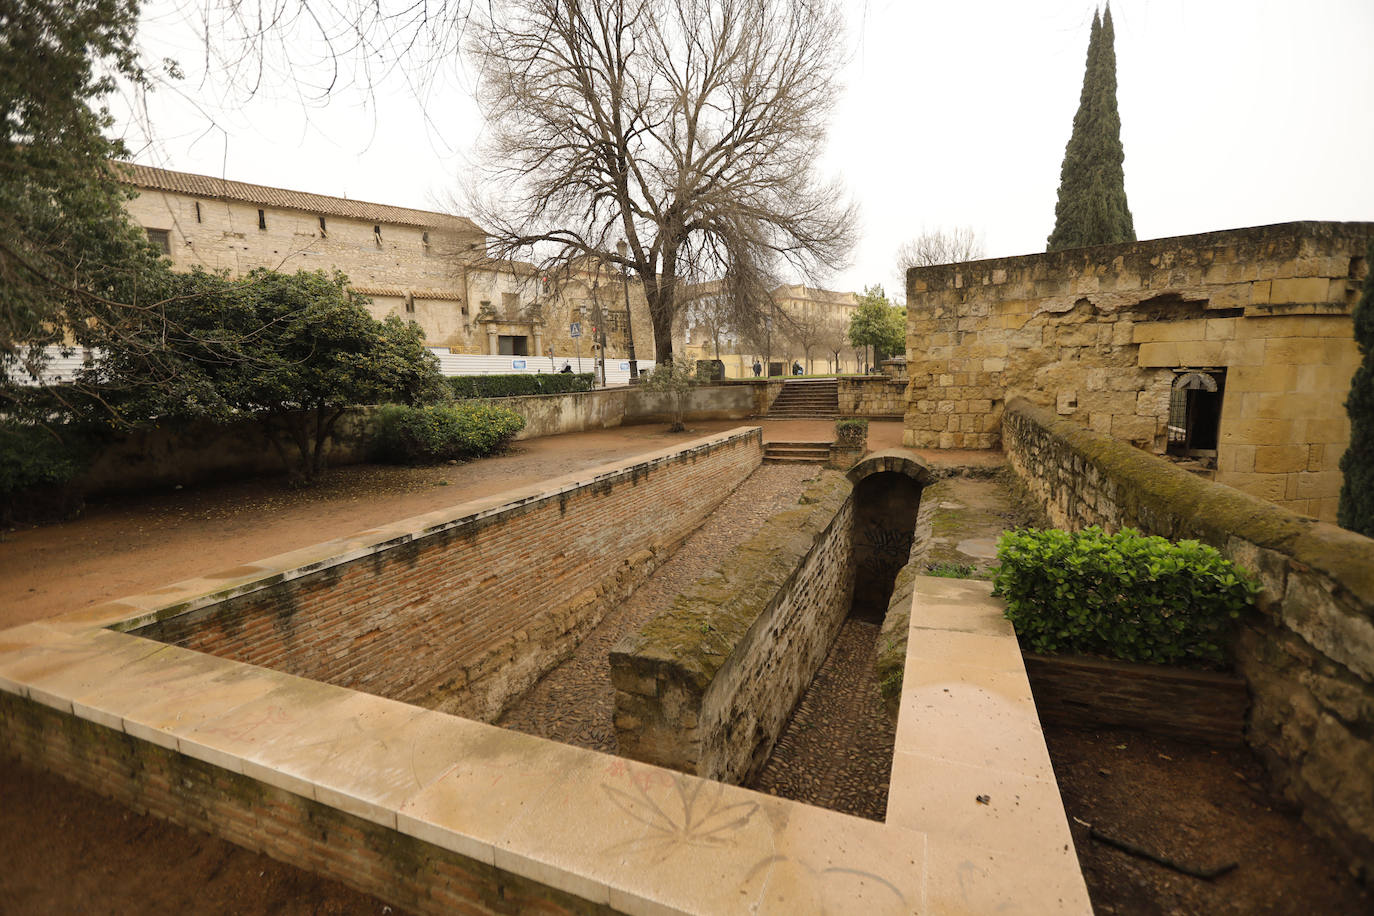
836, 751
574, 702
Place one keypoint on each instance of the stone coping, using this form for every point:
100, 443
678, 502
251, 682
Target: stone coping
634, 837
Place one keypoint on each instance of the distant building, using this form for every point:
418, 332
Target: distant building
425, 266
812, 331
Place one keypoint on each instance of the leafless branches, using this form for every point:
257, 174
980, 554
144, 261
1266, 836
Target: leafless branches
688, 128
938, 246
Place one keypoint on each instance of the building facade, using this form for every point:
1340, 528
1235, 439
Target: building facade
428, 267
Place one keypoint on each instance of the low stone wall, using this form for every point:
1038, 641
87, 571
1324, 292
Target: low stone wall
1308, 651
191, 453
712, 402
871, 396
707, 685
890, 658
569, 412
1203, 706
423, 612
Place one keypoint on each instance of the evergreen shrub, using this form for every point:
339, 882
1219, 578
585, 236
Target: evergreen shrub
1356, 507
444, 432
517, 385
852, 431
36, 468
1126, 595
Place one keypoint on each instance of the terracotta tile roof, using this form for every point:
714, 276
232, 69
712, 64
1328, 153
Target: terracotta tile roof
451, 295
147, 176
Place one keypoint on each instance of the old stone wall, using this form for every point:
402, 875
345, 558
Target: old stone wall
871, 396
1101, 334
419, 876
468, 611
707, 685
1307, 652
190, 453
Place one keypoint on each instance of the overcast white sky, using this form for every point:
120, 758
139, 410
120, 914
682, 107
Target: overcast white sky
1234, 113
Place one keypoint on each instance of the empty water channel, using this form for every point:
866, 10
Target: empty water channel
692, 608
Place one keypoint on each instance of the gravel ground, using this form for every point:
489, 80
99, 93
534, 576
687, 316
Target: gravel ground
836, 752
574, 702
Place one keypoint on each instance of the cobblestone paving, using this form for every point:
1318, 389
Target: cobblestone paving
836, 752
574, 702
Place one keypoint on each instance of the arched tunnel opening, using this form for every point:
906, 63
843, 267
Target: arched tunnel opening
836, 749
885, 509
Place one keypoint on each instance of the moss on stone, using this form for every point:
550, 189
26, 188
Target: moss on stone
701, 628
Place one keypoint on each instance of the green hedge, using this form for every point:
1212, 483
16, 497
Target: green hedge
509, 386
443, 432
1124, 595
36, 467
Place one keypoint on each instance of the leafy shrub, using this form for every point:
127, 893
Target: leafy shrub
510, 386
1124, 595
35, 468
852, 431
443, 432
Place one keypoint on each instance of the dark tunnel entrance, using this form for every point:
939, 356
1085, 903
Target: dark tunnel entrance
885, 508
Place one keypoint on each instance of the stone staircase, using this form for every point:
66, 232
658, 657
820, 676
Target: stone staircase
796, 452
807, 398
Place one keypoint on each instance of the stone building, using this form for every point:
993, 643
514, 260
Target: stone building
1232, 351
425, 266
814, 332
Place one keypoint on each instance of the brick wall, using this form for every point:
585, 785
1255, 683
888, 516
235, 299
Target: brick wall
1099, 334
467, 613
1307, 652
406, 872
707, 685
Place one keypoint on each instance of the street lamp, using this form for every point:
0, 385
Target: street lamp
620, 249
600, 328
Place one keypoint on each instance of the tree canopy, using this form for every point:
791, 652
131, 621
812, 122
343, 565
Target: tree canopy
69, 255
289, 350
878, 324
1092, 208
688, 128
1356, 508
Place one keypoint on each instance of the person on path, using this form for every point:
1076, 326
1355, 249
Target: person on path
758, 369
796, 368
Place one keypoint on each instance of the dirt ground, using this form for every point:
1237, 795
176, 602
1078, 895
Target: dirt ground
1198, 806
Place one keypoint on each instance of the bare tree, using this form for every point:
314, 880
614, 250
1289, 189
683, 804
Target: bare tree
834, 339
688, 128
939, 246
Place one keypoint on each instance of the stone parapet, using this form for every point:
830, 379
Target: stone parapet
1307, 651
709, 683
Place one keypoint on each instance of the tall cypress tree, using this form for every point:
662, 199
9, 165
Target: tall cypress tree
1092, 207
1356, 508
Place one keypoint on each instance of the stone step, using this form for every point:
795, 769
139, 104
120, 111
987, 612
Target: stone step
787, 459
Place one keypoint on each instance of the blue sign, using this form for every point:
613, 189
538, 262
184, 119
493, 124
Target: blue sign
575, 329
517, 364
625, 367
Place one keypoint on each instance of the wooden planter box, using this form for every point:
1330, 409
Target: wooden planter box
1200, 706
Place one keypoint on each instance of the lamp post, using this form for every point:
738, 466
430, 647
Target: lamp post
620, 249
600, 326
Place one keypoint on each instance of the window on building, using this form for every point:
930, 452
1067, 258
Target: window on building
424, 240
162, 238
377, 235
197, 211
513, 345
510, 303
1195, 412
262, 219
410, 303
324, 231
